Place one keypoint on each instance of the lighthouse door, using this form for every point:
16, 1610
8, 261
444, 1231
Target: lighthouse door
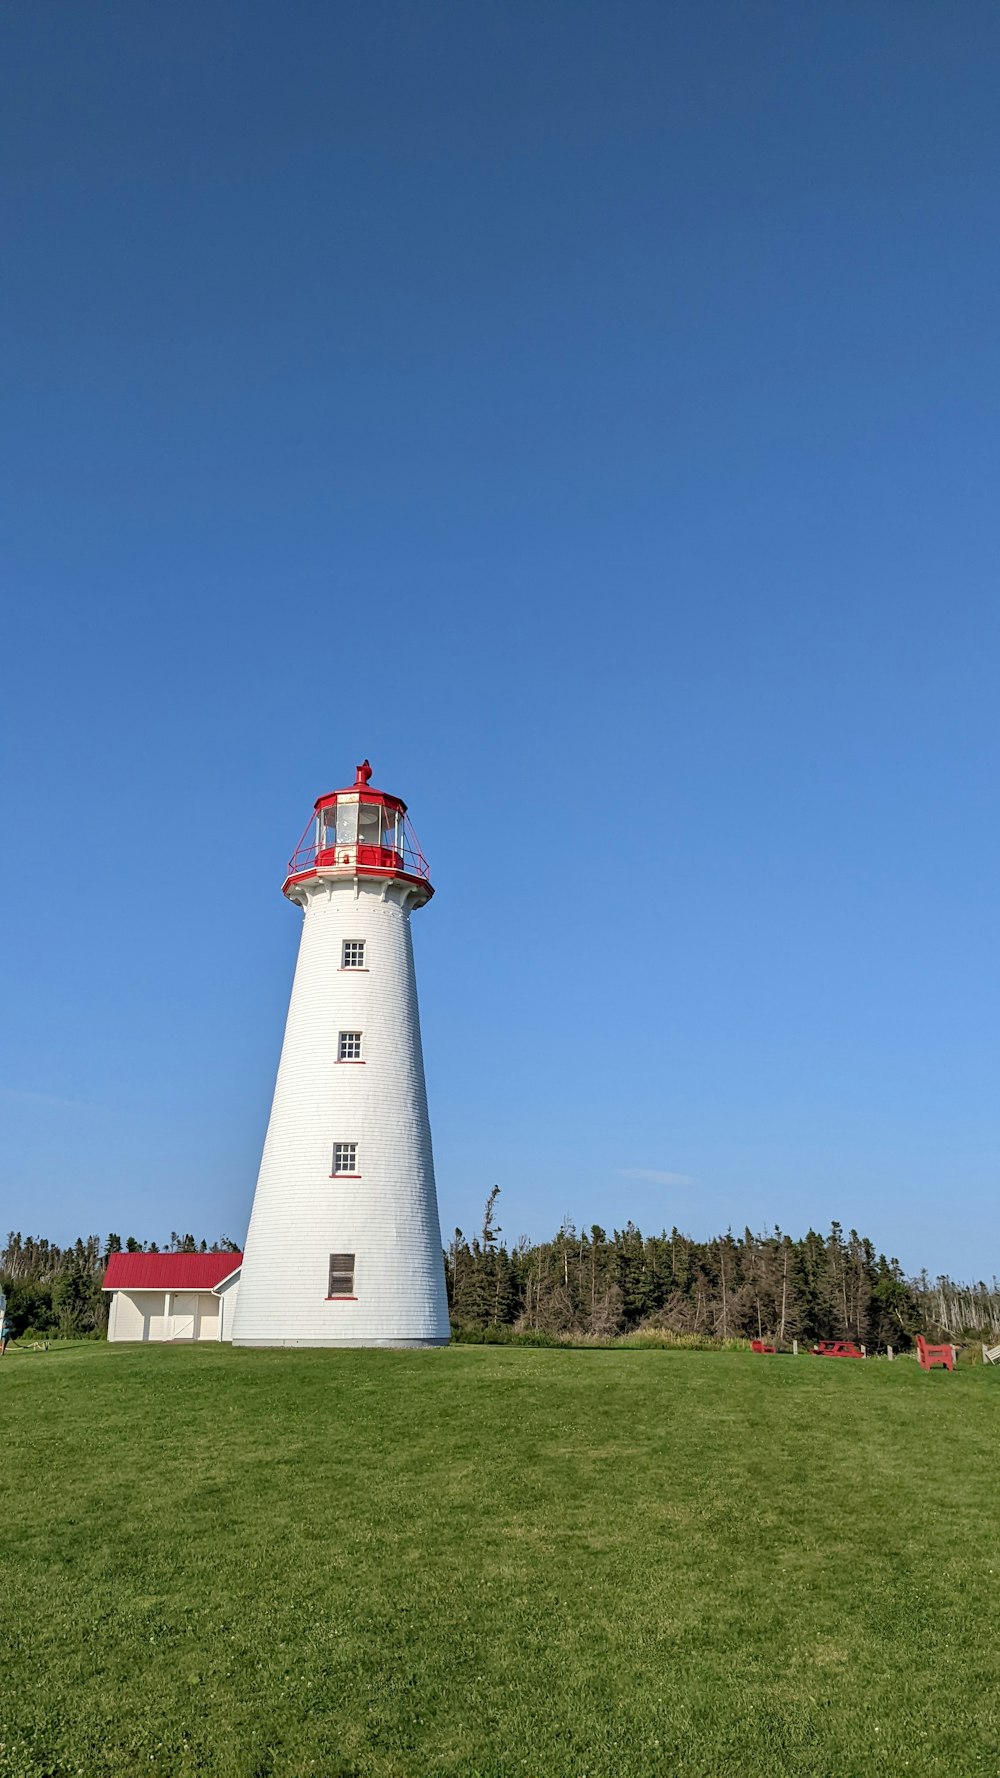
185, 1316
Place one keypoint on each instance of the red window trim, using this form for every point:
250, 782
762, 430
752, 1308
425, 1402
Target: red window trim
341, 1299
346, 1175
353, 969
351, 1061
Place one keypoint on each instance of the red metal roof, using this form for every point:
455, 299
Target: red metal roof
169, 1271
361, 788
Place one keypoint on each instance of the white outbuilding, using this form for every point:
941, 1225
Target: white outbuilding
172, 1296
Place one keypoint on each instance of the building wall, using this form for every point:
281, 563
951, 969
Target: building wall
227, 1299
208, 1318
149, 1315
159, 1324
388, 1217
127, 1320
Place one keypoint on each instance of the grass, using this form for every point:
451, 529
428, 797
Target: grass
496, 1563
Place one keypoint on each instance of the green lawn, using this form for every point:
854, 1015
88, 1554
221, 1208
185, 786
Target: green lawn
496, 1563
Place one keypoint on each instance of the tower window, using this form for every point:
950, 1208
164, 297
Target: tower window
349, 1046
345, 1158
341, 1274
354, 953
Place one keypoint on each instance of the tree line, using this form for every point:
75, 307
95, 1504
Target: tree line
588, 1284
774, 1287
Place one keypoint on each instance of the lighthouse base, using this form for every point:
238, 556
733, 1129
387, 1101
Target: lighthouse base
388, 1345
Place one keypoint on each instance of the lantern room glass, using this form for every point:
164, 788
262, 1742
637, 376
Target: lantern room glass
369, 824
371, 831
347, 824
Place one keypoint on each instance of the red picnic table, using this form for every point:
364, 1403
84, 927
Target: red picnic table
837, 1349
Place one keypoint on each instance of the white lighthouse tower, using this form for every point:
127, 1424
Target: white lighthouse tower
344, 1246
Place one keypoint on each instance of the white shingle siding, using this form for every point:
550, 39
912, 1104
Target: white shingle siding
388, 1217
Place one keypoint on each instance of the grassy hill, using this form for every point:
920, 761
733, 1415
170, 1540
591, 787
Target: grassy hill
494, 1563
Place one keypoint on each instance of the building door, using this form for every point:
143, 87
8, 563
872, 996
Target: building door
185, 1316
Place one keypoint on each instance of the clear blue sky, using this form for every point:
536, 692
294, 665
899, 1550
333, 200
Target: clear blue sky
589, 412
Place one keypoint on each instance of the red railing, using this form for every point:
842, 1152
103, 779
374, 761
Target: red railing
408, 859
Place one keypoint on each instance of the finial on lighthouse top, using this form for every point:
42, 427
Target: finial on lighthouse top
359, 832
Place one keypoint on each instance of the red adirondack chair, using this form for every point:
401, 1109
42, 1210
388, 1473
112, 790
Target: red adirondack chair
932, 1355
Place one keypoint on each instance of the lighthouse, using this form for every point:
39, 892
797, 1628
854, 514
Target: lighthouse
344, 1244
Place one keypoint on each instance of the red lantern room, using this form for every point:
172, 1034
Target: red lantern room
359, 832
